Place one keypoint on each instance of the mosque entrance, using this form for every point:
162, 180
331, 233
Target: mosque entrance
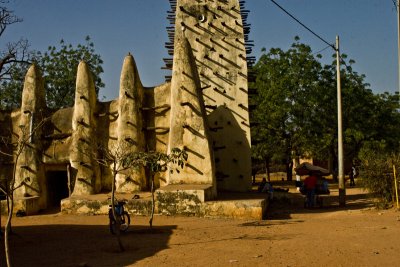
57, 188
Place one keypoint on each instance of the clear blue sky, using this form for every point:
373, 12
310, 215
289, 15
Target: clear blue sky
367, 30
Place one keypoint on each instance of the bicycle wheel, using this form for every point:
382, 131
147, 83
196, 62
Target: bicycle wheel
125, 222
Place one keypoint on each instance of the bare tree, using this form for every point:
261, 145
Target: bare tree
17, 149
158, 162
121, 158
14, 52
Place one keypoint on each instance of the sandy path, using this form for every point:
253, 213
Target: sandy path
292, 236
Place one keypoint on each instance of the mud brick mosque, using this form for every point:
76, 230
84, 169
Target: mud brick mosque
202, 108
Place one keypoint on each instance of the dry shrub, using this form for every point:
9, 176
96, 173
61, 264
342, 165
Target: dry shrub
376, 173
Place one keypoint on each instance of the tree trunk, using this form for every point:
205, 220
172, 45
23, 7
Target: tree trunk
152, 201
10, 206
267, 170
289, 170
7, 230
296, 161
116, 218
333, 159
0, 220
10, 190
330, 163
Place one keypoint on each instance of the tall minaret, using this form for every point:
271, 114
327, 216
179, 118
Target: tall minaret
217, 36
130, 124
83, 148
188, 126
29, 170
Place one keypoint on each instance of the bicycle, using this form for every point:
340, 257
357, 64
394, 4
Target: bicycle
123, 215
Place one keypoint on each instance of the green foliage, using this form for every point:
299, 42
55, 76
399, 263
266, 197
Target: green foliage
122, 157
296, 108
366, 116
283, 82
11, 89
376, 172
59, 66
157, 161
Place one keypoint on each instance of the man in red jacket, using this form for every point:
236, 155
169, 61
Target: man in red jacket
310, 183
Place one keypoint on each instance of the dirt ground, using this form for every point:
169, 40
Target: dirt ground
357, 235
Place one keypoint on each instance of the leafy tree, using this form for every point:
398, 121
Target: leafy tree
121, 157
157, 162
322, 124
296, 109
59, 66
387, 120
365, 115
283, 81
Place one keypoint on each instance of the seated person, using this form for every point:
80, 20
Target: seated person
322, 186
269, 190
266, 187
262, 185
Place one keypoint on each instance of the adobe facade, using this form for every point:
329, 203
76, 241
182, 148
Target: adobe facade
202, 108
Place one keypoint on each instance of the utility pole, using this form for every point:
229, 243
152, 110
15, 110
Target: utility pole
398, 38
342, 190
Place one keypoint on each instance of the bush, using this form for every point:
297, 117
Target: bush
376, 173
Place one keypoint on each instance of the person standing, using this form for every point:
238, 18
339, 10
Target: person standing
310, 183
353, 174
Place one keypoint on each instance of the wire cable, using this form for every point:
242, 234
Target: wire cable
304, 26
323, 49
316, 35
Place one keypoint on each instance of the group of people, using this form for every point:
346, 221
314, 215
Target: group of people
312, 185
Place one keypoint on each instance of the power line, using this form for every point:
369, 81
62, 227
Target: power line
304, 26
323, 49
315, 34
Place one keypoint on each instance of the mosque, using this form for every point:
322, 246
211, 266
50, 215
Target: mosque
201, 108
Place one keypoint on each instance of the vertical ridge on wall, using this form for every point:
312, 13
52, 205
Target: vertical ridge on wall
29, 170
130, 124
218, 34
188, 126
83, 147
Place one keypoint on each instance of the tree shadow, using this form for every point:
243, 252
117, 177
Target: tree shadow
83, 245
285, 205
226, 195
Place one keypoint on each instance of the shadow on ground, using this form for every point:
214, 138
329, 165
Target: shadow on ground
286, 204
83, 245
